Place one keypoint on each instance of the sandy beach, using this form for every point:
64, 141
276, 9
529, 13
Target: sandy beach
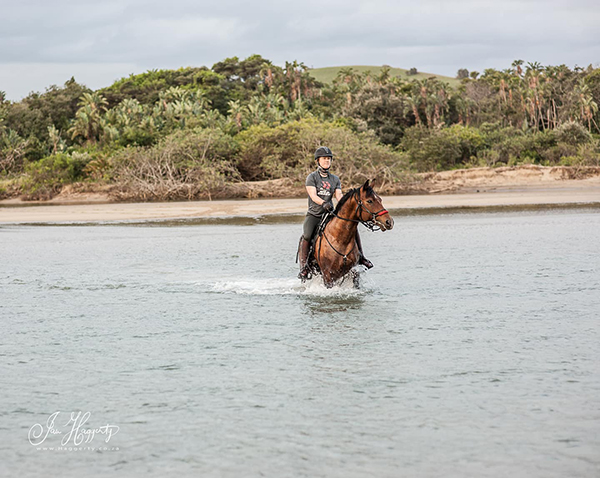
560, 193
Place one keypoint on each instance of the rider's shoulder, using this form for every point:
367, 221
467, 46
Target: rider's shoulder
311, 178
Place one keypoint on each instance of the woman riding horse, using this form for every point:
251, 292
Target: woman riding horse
336, 251
321, 185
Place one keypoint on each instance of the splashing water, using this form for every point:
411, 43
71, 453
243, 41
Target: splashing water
287, 286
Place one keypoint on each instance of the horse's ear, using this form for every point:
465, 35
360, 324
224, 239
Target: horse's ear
366, 185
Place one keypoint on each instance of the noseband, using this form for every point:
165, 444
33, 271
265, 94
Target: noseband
370, 224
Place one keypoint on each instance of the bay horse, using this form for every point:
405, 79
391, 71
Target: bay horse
335, 252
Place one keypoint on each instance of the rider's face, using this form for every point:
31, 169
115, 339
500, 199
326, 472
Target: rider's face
324, 162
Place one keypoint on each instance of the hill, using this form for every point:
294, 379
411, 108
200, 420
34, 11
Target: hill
327, 74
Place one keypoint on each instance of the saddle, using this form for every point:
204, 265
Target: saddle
311, 261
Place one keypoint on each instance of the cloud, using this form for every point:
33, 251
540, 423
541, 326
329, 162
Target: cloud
436, 36
20, 79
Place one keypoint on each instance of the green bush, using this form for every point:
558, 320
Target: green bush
587, 154
46, 177
287, 151
555, 154
137, 137
573, 133
530, 148
191, 164
445, 148
512, 146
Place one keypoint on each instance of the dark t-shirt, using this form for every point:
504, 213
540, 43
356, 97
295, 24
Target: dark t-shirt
325, 190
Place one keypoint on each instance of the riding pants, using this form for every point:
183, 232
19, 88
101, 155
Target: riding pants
310, 224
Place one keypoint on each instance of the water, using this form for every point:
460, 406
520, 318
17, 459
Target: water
471, 350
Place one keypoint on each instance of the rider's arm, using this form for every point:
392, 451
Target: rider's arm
312, 192
338, 194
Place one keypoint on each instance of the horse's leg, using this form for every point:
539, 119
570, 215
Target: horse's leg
355, 279
328, 280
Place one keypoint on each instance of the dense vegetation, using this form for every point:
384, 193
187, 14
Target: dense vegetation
196, 132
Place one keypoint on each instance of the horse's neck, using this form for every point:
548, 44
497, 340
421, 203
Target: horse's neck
346, 230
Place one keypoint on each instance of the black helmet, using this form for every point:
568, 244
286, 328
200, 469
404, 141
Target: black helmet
323, 151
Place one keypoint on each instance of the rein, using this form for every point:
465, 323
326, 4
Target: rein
344, 256
369, 224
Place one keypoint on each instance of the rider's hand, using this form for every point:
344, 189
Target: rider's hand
328, 206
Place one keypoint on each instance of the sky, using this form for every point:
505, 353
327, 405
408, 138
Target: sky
46, 42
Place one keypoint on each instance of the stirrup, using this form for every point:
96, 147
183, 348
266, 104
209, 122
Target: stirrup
365, 262
305, 274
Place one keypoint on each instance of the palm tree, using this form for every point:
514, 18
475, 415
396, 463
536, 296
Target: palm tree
212, 118
414, 102
587, 106
87, 118
58, 144
236, 113
517, 64
255, 108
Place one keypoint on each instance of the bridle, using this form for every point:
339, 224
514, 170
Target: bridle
370, 224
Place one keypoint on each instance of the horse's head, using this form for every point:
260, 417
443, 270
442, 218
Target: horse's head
371, 208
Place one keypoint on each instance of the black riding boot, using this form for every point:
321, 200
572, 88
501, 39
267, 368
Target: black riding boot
303, 257
362, 260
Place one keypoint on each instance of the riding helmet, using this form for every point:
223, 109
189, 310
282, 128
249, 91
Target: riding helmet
323, 151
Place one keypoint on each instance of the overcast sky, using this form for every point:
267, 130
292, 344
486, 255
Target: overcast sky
45, 42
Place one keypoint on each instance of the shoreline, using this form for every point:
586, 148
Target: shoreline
564, 194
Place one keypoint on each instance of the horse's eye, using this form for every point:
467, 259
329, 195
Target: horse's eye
369, 201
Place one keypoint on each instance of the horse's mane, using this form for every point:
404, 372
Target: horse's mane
349, 194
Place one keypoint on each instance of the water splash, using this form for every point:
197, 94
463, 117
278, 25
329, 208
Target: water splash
287, 286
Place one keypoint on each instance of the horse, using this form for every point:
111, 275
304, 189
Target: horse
335, 252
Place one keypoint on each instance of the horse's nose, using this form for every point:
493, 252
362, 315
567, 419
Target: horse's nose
389, 223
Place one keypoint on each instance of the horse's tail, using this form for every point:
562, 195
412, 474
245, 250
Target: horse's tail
298, 249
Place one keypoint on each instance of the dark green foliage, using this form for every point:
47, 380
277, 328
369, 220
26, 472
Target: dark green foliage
56, 106
137, 137
248, 73
31, 117
573, 133
491, 145
445, 148
462, 74
259, 121
146, 87
46, 177
383, 111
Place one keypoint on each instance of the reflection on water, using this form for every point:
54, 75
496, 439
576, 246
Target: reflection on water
341, 302
471, 348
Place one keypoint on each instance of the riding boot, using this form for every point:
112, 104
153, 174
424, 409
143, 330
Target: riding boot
362, 260
303, 257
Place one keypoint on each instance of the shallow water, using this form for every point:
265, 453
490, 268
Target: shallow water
471, 350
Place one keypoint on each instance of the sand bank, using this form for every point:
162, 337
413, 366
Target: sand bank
563, 193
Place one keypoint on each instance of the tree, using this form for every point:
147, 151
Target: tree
462, 74
87, 122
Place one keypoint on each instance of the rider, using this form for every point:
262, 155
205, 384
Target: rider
321, 185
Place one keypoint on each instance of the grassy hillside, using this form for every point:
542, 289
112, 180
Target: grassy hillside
327, 74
